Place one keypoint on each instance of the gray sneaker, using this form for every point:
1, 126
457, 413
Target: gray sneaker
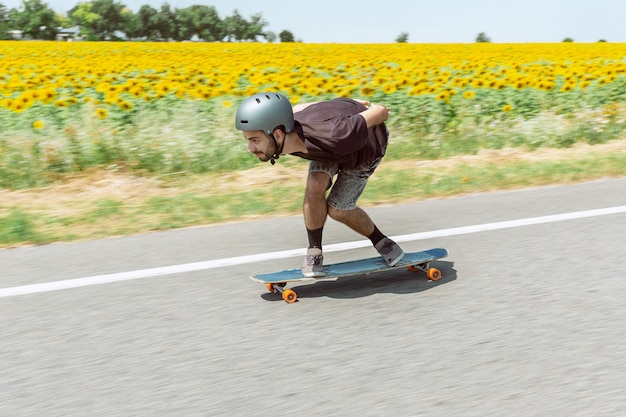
313, 265
391, 252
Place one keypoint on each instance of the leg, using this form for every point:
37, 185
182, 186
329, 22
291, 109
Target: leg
315, 207
342, 207
356, 219
315, 211
360, 222
343, 197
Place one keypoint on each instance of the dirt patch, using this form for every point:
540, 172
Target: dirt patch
262, 175
80, 192
508, 155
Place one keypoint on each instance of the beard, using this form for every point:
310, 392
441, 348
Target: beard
262, 156
266, 156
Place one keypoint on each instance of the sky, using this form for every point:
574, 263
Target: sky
425, 21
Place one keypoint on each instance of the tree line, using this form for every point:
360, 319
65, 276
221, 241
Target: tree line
112, 20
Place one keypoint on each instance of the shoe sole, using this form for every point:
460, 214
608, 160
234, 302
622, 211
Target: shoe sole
395, 261
313, 274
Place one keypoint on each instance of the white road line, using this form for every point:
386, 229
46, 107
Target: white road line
239, 260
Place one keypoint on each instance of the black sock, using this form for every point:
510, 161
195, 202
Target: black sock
376, 236
315, 237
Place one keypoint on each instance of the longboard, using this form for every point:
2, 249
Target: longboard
415, 261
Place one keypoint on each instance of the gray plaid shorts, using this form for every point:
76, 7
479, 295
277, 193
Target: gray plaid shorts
349, 184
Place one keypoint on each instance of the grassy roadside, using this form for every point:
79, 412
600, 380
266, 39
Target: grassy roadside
102, 204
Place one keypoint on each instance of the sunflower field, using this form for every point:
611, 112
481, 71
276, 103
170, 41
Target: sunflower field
169, 107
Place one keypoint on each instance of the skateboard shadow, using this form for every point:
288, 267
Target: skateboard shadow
400, 281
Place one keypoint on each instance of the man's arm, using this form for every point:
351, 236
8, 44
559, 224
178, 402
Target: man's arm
375, 114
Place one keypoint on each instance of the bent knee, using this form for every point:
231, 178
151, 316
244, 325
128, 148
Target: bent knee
318, 182
336, 214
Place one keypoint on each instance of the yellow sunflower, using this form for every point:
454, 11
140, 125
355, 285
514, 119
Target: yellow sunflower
367, 91
125, 105
443, 96
478, 83
101, 113
389, 88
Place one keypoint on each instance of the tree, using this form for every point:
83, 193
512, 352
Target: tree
236, 27
403, 37
4, 23
255, 27
155, 25
111, 18
64, 21
132, 25
239, 29
35, 19
201, 21
166, 22
146, 17
82, 15
568, 40
286, 36
270, 36
483, 38
100, 19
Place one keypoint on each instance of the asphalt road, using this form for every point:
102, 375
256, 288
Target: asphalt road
528, 319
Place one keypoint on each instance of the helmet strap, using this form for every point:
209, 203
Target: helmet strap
278, 151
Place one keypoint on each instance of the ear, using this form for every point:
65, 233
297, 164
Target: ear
278, 134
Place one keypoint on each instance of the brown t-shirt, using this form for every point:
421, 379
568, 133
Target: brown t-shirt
334, 131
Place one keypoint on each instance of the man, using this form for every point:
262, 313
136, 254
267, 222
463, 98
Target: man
342, 138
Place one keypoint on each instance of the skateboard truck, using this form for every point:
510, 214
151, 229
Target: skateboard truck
289, 296
432, 273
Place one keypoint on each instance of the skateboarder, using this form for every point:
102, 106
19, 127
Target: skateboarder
344, 139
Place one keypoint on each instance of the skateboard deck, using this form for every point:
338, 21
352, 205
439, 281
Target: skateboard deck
415, 261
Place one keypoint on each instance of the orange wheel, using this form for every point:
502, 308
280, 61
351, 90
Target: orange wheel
434, 274
412, 268
289, 296
270, 287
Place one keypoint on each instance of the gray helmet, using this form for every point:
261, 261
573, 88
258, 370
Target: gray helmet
265, 111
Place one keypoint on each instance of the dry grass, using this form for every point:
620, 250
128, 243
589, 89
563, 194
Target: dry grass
510, 155
103, 203
80, 192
